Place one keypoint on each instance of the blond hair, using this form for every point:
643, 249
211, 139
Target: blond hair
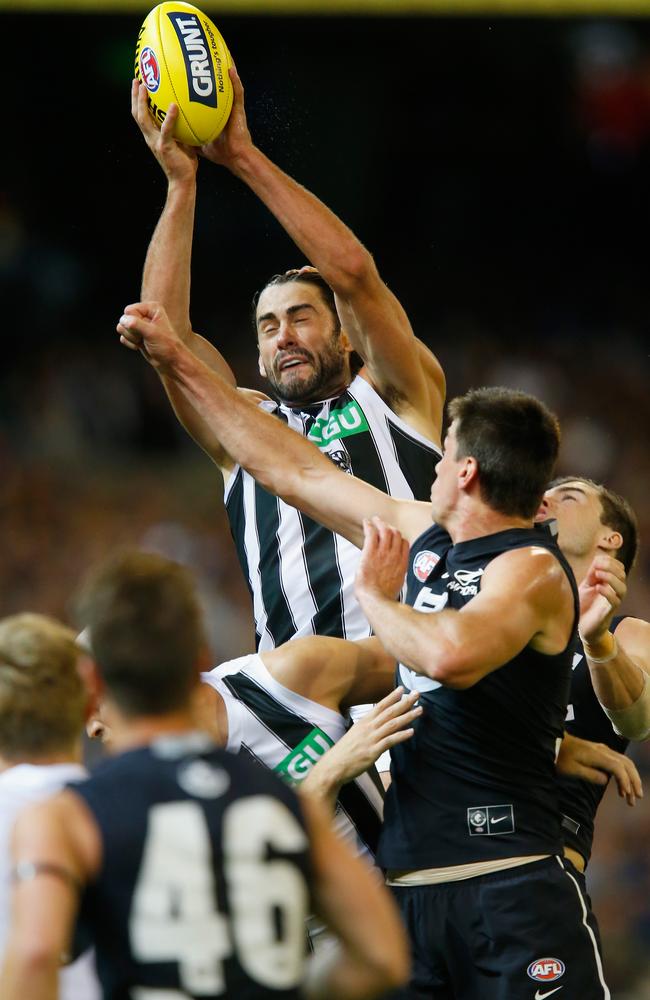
42, 697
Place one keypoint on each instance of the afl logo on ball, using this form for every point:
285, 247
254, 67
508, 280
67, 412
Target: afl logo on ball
149, 69
424, 563
546, 970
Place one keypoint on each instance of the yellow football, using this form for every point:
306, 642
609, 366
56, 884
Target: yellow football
181, 58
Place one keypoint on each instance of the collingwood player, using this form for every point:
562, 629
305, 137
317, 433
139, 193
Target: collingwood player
610, 694
287, 707
381, 423
191, 869
471, 834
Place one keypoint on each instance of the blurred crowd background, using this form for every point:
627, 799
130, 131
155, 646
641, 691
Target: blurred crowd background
498, 170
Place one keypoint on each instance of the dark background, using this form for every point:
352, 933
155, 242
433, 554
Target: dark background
498, 170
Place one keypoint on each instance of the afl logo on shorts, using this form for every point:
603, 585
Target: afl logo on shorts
424, 563
546, 970
149, 69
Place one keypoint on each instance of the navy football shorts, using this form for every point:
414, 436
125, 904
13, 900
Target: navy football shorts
525, 933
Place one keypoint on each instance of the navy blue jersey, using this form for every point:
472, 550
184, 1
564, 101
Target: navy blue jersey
477, 781
579, 800
203, 887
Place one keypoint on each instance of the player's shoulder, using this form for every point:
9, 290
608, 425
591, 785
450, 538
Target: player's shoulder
532, 570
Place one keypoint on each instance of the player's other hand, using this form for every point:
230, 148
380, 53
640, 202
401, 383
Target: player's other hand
178, 162
235, 139
601, 592
386, 724
384, 560
596, 763
145, 327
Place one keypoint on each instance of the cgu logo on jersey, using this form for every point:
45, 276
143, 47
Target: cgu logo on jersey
424, 564
296, 765
546, 970
343, 422
149, 69
201, 81
466, 582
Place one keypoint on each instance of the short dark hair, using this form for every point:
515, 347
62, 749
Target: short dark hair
515, 440
42, 698
146, 631
616, 513
308, 278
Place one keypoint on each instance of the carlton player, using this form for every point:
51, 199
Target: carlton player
610, 694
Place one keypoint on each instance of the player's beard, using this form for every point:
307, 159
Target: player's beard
327, 373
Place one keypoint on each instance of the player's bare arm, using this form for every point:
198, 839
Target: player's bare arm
387, 724
167, 267
166, 275
400, 367
525, 591
373, 956
55, 850
619, 662
596, 763
334, 672
281, 460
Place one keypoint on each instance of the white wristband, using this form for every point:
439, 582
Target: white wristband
601, 659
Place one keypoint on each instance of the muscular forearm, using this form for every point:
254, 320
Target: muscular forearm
281, 460
167, 268
326, 242
324, 782
619, 681
621, 686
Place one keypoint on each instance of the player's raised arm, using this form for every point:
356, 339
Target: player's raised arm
400, 367
167, 267
619, 662
279, 459
525, 598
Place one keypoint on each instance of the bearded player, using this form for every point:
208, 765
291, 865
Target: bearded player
380, 422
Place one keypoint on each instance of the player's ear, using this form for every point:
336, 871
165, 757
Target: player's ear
260, 365
468, 473
611, 541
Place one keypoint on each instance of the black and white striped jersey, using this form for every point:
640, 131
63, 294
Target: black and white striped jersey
288, 734
300, 575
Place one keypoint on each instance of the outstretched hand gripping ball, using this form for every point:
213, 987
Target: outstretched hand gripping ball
181, 58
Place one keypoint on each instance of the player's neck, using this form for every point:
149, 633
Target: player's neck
476, 520
580, 564
129, 732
